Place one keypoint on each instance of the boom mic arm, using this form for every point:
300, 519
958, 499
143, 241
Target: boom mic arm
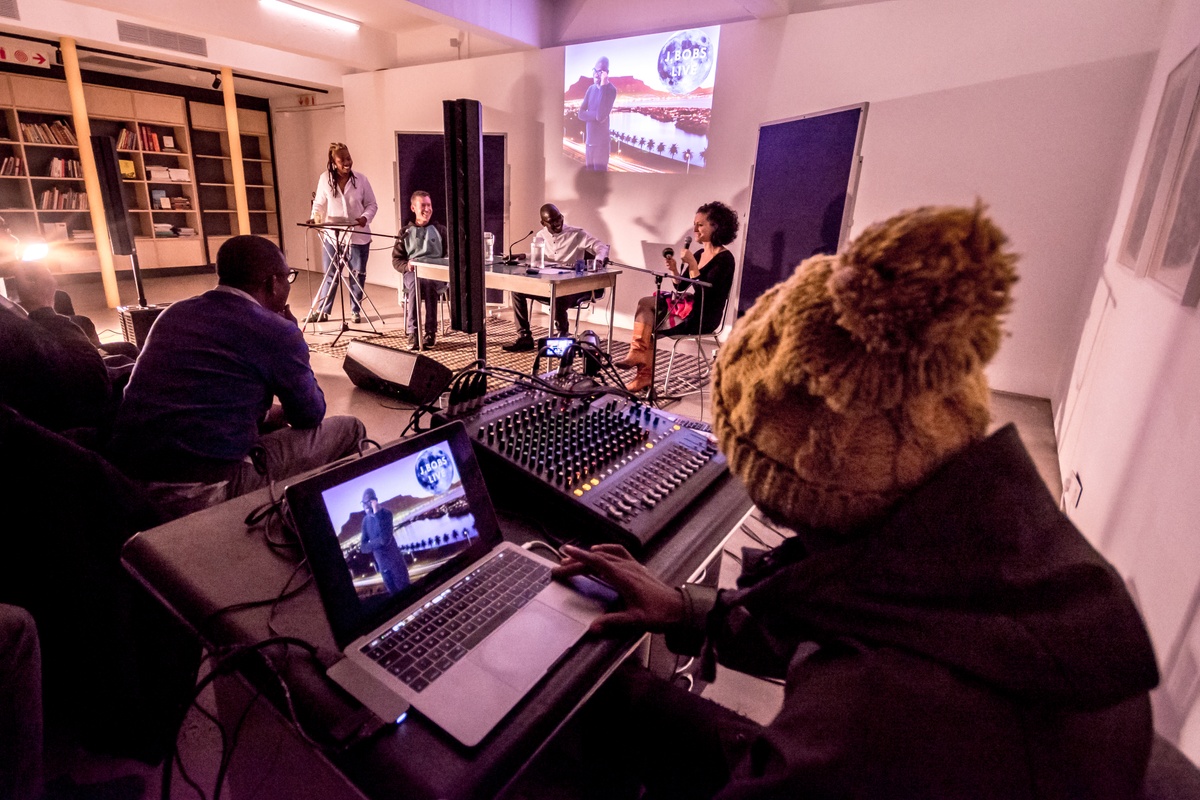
511, 259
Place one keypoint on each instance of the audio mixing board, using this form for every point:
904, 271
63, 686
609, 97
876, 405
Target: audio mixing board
629, 467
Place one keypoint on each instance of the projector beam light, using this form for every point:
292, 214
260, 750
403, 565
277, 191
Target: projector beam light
310, 14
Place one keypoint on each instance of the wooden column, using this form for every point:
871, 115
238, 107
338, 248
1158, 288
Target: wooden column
235, 151
91, 179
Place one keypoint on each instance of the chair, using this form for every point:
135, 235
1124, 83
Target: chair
706, 362
1169, 775
583, 302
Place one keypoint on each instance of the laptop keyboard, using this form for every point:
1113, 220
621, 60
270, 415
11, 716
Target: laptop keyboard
421, 647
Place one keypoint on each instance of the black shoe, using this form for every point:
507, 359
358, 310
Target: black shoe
317, 316
523, 344
356, 318
427, 342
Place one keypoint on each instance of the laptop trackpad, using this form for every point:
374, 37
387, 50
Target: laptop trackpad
521, 651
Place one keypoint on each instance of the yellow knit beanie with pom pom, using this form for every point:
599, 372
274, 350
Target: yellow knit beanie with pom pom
848, 384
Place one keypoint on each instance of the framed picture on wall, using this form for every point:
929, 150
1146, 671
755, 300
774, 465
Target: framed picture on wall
1162, 158
1174, 260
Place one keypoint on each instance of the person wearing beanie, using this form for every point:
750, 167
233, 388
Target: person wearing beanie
941, 628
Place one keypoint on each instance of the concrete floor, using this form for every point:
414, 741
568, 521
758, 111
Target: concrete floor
199, 742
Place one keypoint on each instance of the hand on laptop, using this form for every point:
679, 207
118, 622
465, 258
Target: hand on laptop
650, 604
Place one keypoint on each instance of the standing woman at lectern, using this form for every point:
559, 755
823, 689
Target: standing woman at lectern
690, 309
343, 195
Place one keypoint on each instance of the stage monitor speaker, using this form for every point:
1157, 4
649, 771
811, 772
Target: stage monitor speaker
463, 121
137, 320
406, 376
120, 229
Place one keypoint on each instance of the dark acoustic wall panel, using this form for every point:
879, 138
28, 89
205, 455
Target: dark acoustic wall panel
801, 201
120, 229
421, 164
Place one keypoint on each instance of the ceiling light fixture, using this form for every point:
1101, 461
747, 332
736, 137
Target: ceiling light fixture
311, 14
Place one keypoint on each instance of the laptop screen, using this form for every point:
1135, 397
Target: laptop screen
383, 530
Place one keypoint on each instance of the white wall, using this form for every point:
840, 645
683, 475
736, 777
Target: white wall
302, 138
1130, 427
1029, 105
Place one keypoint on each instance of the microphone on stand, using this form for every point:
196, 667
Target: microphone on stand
516, 259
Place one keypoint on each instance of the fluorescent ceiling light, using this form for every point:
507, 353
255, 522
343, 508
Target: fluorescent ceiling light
311, 14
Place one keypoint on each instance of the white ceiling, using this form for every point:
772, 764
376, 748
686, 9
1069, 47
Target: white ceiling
394, 33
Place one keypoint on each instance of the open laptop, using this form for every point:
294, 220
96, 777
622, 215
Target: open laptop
427, 602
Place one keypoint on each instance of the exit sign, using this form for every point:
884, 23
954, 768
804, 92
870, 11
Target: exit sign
31, 54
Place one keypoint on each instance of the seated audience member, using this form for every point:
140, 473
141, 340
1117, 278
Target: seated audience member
38, 290
49, 371
565, 244
21, 722
64, 306
420, 237
691, 308
942, 629
200, 398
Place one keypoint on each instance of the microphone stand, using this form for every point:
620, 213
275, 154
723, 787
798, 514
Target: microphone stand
336, 238
511, 259
652, 395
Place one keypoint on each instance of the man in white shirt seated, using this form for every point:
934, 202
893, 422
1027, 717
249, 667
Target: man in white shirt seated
565, 244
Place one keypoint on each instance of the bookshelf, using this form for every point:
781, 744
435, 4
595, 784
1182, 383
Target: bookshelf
45, 196
214, 173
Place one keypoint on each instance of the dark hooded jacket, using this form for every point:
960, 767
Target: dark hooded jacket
971, 645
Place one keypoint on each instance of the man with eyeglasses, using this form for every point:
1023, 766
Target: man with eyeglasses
201, 397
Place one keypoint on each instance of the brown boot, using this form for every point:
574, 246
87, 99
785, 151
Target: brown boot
639, 348
644, 378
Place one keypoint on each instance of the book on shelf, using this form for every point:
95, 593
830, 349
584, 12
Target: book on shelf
164, 230
126, 140
128, 169
81, 235
179, 174
12, 165
168, 144
181, 204
57, 132
54, 231
151, 142
183, 231
65, 168
158, 174
159, 199
57, 199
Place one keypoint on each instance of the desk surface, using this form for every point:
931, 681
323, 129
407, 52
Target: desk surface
515, 277
211, 560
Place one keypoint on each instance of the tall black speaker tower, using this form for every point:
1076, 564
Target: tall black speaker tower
464, 217
116, 212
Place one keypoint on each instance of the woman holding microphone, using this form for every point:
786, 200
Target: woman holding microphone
715, 226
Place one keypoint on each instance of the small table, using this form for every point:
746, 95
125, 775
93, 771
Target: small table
553, 280
211, 560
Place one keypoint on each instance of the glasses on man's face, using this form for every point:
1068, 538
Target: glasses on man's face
293, 274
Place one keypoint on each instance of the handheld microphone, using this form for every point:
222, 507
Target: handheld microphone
511, 259
687, 242
668, 252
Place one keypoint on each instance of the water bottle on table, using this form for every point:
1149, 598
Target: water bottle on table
537, 253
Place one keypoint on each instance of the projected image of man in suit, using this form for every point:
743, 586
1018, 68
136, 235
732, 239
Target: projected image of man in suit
379, 539
595, 111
